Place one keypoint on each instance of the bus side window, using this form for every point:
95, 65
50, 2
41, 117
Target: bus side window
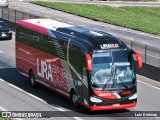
46, 38
76, 58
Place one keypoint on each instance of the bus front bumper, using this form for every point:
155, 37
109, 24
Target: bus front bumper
112, 107
109, 107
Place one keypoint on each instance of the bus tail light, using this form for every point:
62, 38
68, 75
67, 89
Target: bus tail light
139, 59
88, 62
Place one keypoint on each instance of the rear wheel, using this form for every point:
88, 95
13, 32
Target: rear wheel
74, 98
32, 79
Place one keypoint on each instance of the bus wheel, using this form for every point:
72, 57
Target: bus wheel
32, 79
74, 98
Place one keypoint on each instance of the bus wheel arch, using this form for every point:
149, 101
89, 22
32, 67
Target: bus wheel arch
32, 78
73, 97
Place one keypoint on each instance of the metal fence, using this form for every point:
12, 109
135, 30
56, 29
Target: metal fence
150, 53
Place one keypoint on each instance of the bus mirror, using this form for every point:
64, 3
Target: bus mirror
88, 62
139, 59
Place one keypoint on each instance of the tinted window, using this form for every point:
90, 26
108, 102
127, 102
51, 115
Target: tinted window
36, 40
2, 25
76, 58
112, 69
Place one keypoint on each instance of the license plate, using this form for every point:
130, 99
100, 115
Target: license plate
116, 105
4, 35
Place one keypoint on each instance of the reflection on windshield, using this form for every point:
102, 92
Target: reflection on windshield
123, 71
2, 25
101, 76
109, 73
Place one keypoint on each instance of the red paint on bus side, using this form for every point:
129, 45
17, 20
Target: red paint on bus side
43, 65
33, 27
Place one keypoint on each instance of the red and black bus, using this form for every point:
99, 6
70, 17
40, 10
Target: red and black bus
92, 68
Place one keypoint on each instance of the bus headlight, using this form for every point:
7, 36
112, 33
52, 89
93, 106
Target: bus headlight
133, 97
94, 99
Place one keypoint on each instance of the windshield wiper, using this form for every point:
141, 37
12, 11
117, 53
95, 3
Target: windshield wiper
115, 79
122, 84
112, 69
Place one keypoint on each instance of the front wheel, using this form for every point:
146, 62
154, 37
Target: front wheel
32, 79
74, 98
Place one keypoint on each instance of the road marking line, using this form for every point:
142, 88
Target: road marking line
129, 38
134, 31
153, 56
1, 52
36, 13
34, 96
26, 10
112, 33
15, 87
62, 110
77, 118
57, 108
2, 80
3, 109
146, 43
148, 84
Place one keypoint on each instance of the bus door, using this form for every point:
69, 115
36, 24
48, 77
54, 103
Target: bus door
85, 86
75, 62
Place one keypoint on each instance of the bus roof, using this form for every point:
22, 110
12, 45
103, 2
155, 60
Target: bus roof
47, 23
86, 37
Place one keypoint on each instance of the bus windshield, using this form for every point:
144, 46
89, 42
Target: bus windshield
112, 70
